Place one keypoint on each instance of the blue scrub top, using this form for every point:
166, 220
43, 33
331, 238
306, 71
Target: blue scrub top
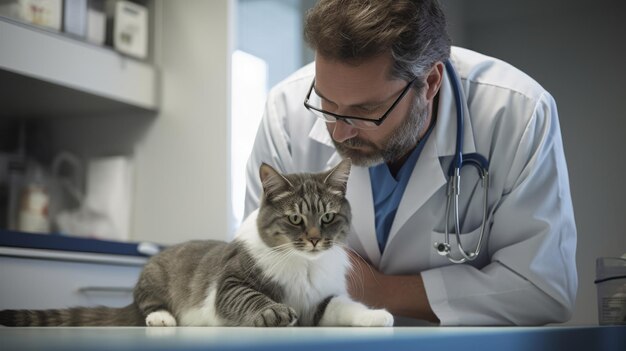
387, 191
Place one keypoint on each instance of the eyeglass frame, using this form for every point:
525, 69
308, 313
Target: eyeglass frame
346, 119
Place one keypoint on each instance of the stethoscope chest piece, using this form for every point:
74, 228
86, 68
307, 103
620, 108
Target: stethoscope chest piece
442, 248
480, 163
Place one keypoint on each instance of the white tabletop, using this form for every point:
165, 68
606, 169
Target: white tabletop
302, 339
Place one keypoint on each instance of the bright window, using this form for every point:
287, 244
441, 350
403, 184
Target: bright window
270, 46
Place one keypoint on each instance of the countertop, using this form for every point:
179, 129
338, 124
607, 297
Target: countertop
56, 242
318, 339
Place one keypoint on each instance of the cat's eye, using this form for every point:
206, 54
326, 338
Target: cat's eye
295, 219
327, 217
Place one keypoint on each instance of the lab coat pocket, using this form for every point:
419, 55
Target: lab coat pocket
469, 241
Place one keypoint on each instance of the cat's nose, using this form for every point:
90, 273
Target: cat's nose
314, 241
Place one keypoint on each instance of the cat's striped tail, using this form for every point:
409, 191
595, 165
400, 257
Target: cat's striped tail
74, 317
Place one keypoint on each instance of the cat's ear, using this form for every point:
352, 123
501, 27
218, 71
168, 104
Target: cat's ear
275, 185
337, 178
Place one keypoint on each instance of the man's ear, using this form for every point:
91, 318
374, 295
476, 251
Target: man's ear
274, 183
434, 80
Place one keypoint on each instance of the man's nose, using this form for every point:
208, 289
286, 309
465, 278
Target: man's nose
342, 131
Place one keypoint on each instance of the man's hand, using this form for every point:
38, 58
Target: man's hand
402, 295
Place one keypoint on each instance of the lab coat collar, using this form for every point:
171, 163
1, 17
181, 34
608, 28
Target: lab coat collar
445, 130
319, 133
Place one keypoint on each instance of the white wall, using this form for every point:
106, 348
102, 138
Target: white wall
575, 49
182, 167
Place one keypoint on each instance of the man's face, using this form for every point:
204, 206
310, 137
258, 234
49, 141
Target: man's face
365, 90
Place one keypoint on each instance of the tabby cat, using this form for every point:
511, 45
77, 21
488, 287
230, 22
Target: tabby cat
287, 266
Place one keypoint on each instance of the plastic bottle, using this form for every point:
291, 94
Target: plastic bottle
33, 213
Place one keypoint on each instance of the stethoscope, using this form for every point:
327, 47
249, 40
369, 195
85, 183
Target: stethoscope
454, 183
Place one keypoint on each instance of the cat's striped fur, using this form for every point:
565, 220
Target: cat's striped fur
286, 267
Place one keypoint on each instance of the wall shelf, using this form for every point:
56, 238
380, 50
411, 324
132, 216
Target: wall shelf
48, 73
59, 93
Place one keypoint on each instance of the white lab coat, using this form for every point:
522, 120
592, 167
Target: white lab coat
526, 272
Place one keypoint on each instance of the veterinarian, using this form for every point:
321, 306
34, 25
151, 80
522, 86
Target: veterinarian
380, 92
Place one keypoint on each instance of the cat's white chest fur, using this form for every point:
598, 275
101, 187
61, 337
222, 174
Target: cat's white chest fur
307, 281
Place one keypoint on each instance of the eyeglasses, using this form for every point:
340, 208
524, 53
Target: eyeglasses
313, 103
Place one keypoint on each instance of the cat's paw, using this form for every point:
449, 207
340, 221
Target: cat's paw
160, 319
276, 315
373, 318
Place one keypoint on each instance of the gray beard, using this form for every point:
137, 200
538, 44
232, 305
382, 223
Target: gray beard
398, 144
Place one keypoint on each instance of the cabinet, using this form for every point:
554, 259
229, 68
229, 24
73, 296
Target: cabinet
70, 91
169, 115
48, 76
42, 279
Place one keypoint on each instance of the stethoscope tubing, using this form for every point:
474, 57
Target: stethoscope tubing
454, 185
460, 114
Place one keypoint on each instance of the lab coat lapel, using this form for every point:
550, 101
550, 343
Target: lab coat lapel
360, 196
427, 177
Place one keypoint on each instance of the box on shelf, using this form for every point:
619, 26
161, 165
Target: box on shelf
96, 22
86, 19
75, 17
130, 29
46, 13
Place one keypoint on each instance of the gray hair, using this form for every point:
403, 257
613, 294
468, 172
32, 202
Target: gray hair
412, 31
